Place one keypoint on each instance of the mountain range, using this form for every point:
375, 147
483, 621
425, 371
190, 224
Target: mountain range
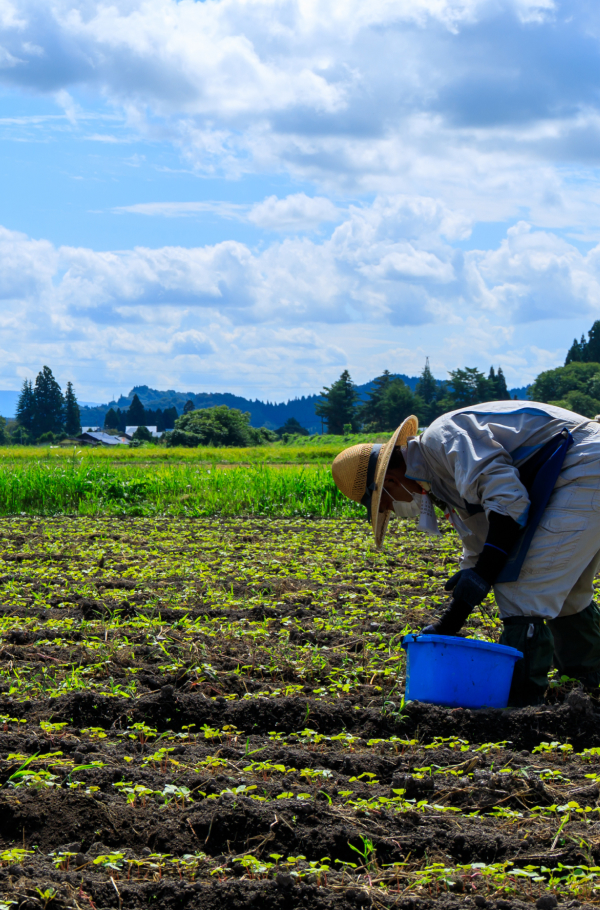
262, 413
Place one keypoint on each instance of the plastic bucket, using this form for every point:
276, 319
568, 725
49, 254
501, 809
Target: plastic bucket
458, 672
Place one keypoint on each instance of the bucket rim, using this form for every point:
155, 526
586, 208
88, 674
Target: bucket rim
457, 641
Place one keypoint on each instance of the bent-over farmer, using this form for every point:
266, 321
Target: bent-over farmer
520, 482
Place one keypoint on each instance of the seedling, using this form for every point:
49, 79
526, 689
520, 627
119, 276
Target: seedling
367, 853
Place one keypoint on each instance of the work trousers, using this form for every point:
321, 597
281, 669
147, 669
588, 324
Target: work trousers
557, 577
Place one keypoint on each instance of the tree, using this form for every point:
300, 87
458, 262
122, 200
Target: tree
189, 406
575, 352
554, 385
469, 386
371, 413
136, 414
218, 426
72, 415
427, 387
111, 420
579, 402
496, 386
502, 393
143, 434
586, 351
397, 404
49, 405
26, 407
338, 405
592, 348
293, 428
169, 417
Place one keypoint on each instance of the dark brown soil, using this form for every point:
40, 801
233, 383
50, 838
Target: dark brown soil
246, 797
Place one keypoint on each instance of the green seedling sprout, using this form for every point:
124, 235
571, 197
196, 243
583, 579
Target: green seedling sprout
367, 853
46, 896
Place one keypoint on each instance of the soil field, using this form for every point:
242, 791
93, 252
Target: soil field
209, 713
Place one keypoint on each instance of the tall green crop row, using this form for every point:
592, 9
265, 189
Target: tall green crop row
192, 490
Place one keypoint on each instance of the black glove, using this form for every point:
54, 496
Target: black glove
471, 586
468, 586
451, 621
469, 590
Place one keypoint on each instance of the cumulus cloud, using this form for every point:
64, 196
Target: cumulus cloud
301, 305
390, 261
458, 98
405, 123
191, 342
297, 212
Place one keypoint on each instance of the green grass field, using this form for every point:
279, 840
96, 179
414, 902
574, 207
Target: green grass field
89, 487
299, 450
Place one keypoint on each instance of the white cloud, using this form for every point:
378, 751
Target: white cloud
289, 316
297, 212
184, 209
473, 101
190, 342
437, 114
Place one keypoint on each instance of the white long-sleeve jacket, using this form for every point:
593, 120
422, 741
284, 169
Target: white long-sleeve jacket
470, 458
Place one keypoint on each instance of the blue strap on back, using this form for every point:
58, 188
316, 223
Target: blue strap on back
538, 475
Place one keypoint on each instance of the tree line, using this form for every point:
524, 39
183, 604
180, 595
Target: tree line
390, 400
44, 414
576, 385
136, 415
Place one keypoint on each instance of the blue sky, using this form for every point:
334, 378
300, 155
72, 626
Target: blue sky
252, 195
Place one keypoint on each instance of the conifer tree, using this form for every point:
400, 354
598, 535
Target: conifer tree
427, 387
189, 406
592, 348
501, 389
111, 420
338, 405
574, 354
170, 415
72, 415
26, 407
136, 414
371, 411
49, 405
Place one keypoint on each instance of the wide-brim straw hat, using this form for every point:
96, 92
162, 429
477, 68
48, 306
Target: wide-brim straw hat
359, 472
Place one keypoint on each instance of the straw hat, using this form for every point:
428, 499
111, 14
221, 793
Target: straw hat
359, 472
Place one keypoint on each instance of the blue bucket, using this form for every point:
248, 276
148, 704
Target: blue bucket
458, 672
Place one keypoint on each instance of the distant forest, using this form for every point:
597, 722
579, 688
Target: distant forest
262, 413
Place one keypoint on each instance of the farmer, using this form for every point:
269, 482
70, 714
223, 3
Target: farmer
520, 482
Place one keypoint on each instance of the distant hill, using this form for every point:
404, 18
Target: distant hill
262, 413
521, 394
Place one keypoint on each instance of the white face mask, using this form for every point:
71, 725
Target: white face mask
402, 509
420, 506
